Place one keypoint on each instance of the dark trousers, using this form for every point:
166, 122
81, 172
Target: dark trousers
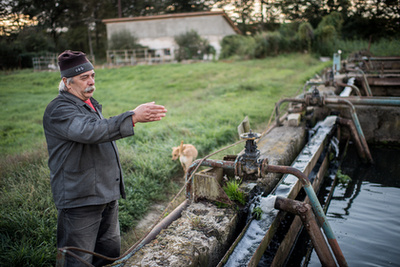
93, 228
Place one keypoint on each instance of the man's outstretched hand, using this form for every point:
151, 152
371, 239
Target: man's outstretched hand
148, 112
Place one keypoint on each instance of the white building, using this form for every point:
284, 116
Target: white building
158, 32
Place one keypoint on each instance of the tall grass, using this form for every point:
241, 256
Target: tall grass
205, 102
383, 47
324, 43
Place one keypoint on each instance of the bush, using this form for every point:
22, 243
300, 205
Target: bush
25, 60
192, 46
269, 44
237, 45
123, 40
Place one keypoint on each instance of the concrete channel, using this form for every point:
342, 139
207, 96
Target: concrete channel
357, 100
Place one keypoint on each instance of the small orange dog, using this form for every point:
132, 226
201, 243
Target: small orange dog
186, 153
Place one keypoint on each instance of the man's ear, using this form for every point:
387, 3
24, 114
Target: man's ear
65, 82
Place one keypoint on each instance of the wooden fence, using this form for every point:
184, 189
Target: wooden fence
139, 56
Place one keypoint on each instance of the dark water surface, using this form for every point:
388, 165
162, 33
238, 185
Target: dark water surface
365, 214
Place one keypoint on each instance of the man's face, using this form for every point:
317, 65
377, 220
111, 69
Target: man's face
82, 85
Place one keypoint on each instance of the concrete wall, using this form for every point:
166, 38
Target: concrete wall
158, 32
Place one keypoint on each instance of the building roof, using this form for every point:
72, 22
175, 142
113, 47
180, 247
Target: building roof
174, 16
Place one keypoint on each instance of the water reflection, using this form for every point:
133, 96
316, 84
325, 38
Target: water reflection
365, 214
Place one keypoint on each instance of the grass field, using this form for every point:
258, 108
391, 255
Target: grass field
205, 102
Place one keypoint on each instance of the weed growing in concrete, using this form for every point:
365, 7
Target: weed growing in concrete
196, 223
233, 192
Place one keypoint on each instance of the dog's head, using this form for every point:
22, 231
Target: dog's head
175, 153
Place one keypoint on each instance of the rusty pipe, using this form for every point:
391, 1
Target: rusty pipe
354, 135
334, 100
357, 124
304, 211
352, 86
320, 214
367, 88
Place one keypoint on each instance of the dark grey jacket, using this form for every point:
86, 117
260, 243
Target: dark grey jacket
83, 157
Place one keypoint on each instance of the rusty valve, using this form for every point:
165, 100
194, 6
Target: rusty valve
314, 98
247, 164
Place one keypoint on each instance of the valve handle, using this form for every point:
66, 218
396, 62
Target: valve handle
250, 135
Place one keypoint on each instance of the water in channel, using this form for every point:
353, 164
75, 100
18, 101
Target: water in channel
365, 213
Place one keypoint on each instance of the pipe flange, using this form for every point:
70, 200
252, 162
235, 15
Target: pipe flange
263, 167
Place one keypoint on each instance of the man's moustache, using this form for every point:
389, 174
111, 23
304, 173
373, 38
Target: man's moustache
89, 89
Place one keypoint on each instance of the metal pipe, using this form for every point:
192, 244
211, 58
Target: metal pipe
375, 101
355, 120
354, 135
304, 211
364, 100
383, 58
265, 168
367, 88
355, 88
334, 100
60, 261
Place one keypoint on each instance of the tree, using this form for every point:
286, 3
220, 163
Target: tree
182, 6
334, 19
49, 14
243, 13
269, 15
362, 18
306, 35
374, 18
327, 33
302, 10
157, 7
71, 23
32, 39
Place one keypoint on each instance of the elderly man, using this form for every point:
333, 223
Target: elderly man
85, 170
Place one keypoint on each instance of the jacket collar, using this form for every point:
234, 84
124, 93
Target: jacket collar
79, 101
